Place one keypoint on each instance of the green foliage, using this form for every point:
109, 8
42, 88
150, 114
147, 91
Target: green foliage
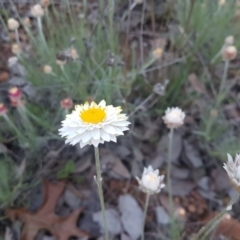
5, 183
67, 170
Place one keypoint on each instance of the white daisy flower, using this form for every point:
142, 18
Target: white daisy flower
233, 170
151, 182
174, 117
93, 124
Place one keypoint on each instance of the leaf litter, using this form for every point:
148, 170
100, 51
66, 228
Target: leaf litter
46, 218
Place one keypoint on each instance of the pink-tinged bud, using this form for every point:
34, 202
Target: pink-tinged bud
66, 103
229, 53
15, 94
3, 109
17, 103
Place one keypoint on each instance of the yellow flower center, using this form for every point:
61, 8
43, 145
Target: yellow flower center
152, 177
93, 115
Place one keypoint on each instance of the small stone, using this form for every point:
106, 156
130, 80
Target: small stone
161, 215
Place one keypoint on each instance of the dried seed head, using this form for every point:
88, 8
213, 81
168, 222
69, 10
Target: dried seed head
47, 69
3, 109
229, 53
13, 24
160, 88
37, 11
157, 53
16, 49
45, 3
66, 103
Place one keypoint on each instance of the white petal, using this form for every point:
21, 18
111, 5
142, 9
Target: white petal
82, 144
86, 136
76, 139
102, 103
104, 135
95, 142
109, 129
96, 133
81, 130
118, 131
113, 138
121, 123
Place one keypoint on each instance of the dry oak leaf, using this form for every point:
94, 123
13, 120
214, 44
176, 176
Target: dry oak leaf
45, 218
228, 227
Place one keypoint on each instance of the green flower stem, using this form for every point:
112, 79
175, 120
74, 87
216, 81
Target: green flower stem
169, 170
208, 227
145, 214
39, 22
223, 84
17, 37
100, 190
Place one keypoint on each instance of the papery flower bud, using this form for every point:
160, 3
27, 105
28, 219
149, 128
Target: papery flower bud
12, 61
37, 10
60, 62
45, 3
229, 40
151, 182
221, 3
180, 213
66, 103
16, 49
157, 53
229, 53
233, 170
74, 54
27, 22
15, 94
47, 69
174, 117
214, 113
3, 109
13, 24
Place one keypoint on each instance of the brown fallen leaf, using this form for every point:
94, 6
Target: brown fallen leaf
196, 84
228, 227
45, 218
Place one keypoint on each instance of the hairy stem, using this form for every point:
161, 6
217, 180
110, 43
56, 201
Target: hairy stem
100, 190
145, 214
